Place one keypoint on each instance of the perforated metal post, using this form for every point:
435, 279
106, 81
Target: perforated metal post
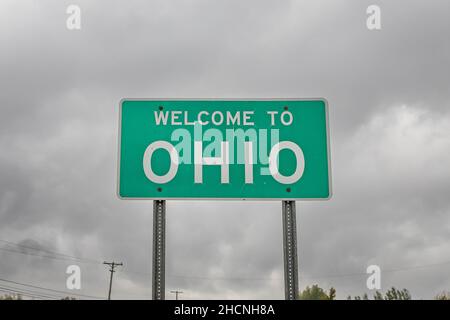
290, 251
159, 249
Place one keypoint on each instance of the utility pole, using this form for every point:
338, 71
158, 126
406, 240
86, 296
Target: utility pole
176, 293
112, 266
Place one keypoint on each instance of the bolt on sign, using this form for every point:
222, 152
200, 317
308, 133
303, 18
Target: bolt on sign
275, 149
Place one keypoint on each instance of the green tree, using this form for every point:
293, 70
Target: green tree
394, 294
332, 294
317, 293
378, 296
442, 296
11, 297
391, 294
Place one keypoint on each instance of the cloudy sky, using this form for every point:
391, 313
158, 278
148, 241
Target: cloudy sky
389, 99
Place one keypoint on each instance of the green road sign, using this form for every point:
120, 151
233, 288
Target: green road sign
275, 149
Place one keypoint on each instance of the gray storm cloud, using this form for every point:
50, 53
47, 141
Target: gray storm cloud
390, 141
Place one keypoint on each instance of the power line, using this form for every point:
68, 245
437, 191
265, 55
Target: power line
79, 259
43, 249
41, 256
63, 256
18, 293
52, 290
29, 293
15, 293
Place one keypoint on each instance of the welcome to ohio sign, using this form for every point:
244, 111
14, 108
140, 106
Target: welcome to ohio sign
224, 149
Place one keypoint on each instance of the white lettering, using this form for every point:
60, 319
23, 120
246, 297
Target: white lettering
147, 164
273, 162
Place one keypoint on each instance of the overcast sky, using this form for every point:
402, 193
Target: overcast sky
389, 100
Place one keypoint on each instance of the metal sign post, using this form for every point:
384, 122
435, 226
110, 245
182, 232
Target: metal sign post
159, 249
290, 251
